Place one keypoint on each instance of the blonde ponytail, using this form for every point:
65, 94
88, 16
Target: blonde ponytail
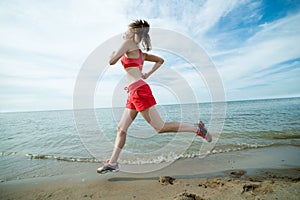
141, 29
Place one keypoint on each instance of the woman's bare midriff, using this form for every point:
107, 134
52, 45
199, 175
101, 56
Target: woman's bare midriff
133, 74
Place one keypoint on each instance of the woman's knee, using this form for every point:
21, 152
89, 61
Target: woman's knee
158, 128
158, 125
159, 131
167, 127
153, 118
121, 131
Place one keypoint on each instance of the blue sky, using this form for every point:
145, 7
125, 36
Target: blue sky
253, 44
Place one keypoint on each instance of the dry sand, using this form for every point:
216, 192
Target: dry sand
276, 178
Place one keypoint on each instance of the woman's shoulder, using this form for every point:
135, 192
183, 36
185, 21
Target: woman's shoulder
130, 46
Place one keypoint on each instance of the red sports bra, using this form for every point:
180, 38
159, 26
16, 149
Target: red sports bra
133, 62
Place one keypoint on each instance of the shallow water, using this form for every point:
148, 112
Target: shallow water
30, 140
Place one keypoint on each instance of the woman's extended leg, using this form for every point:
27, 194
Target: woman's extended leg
127, 118
153, 118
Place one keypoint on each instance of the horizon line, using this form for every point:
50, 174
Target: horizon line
206, 102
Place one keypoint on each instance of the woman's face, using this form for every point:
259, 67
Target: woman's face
128, 34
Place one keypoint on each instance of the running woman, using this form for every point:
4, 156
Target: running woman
140, 99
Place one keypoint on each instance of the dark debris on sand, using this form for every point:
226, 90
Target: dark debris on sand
188, 196
166, 180
236, 173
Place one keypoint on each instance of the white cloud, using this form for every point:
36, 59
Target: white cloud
67, 30
44, 44
211, 13
277, 42
192, 18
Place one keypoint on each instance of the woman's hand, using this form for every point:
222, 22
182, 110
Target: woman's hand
112, 54
112, 59
145, 75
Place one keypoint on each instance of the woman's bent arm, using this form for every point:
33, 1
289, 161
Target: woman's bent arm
158, 62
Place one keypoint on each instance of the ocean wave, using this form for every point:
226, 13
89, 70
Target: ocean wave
284, 136
68, 159
241, 147
278, 135
270, 134
8, 153
152, 159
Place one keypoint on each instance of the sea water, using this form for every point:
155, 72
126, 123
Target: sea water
31, 141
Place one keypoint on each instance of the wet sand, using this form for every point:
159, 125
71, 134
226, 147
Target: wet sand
268, 173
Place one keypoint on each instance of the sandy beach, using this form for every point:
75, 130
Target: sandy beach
266, 173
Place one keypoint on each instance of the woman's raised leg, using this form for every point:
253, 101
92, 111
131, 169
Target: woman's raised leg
153, 118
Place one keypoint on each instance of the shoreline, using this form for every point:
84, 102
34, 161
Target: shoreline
267, 173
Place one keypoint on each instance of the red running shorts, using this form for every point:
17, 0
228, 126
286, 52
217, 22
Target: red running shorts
140, 96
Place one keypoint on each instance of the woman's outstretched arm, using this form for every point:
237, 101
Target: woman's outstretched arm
115, 56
